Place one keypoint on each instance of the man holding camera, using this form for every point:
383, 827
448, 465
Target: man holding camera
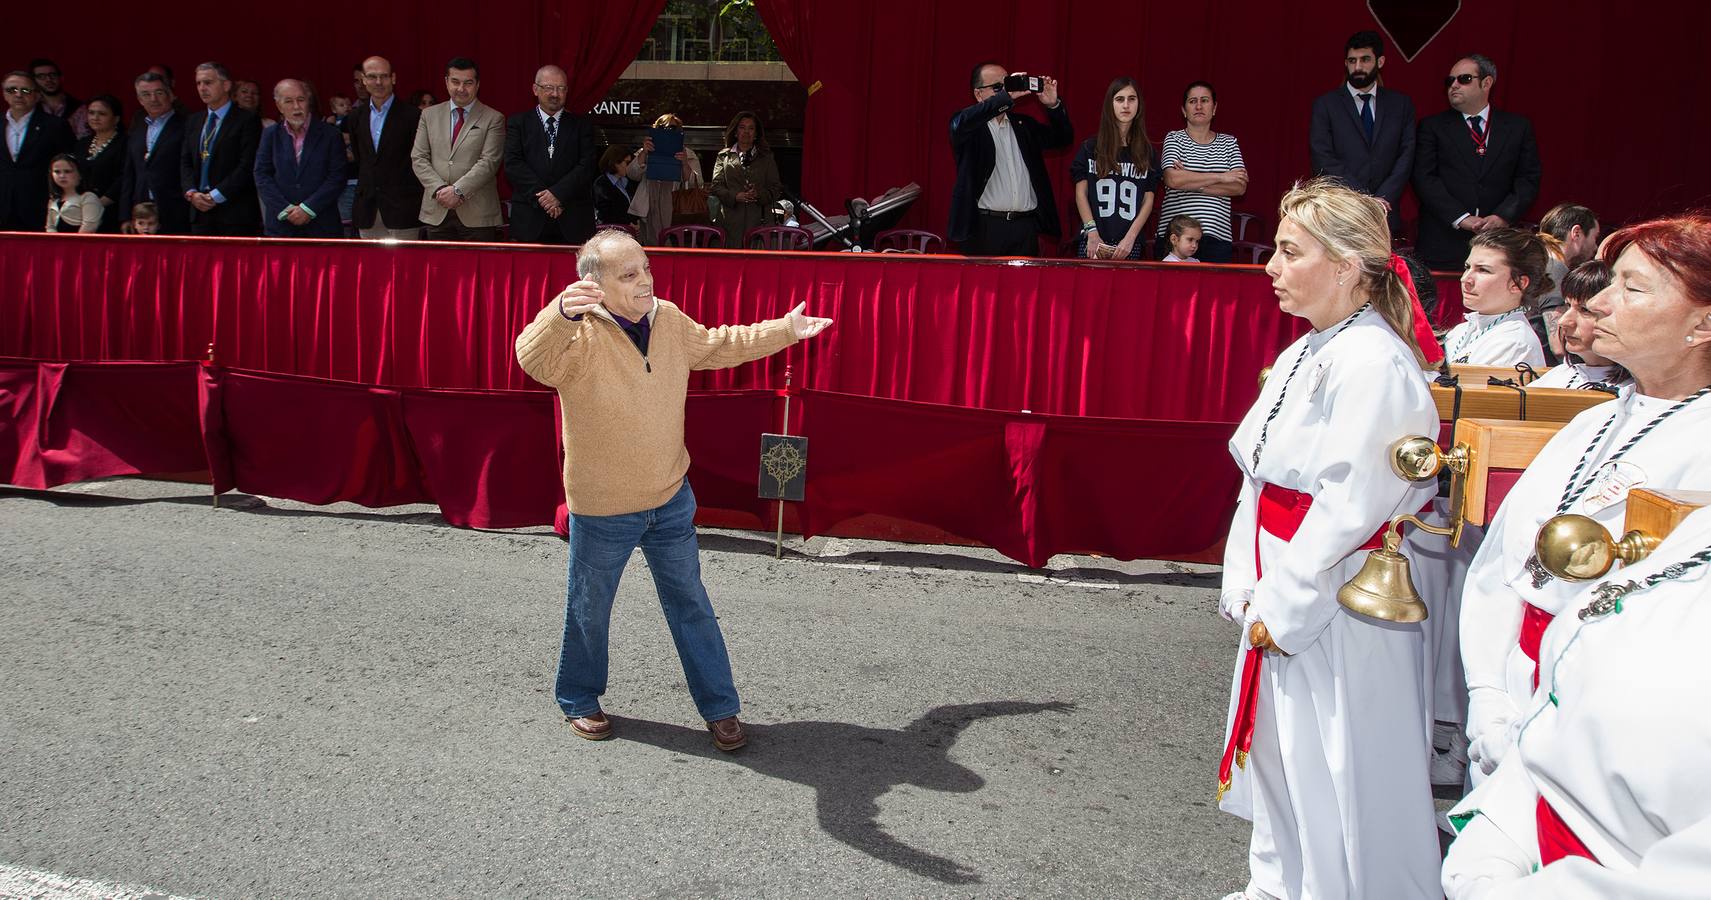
1002, 201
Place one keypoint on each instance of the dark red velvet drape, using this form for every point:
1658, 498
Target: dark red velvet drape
1030, 486
1114, 340
321, 42
894, 72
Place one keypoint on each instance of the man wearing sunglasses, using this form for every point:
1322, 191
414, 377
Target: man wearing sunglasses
33, 139
1002, 200
1475, 168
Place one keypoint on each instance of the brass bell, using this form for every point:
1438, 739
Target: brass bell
1384, 588
1577, 548
1418, 458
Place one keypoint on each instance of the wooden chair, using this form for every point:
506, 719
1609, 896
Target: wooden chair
909, 240
778, 237
692, 236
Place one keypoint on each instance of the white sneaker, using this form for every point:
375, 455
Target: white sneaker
1449, 766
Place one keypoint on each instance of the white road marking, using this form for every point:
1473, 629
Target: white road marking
1030, 578
32, 884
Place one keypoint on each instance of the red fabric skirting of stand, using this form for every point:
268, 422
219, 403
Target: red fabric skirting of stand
1030, 486
1117, 340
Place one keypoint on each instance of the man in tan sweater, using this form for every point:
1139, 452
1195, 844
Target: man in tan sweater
620, 360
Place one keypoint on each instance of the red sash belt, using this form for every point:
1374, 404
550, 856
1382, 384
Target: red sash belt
1556, 840
1280, 513
1534, 621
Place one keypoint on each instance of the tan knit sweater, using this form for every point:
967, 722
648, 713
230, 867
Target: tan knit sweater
623, 414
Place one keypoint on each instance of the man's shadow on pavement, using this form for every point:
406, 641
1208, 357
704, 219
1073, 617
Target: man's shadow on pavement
851, 766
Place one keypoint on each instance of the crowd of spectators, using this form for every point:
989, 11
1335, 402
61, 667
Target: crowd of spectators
1473, 169
380, 166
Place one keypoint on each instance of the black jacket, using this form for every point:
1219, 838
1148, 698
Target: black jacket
976, 156
1450, 179
1339, 147
386, 185
568, 173
156, 172
24, 181
231, 168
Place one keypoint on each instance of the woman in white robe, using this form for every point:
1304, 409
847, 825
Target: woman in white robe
1655, 321
1582, 367
1605, 794
1326, 744
1503, 278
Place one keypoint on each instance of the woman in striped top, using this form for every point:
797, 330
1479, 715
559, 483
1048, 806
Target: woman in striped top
1203, 171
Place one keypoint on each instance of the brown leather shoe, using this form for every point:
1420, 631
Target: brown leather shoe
728, 734
594, 728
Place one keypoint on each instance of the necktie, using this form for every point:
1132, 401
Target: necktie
552, 134
1478, 128
208, 130
457, 122
1366, 120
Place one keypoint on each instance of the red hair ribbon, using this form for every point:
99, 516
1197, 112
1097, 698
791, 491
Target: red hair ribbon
1434, 352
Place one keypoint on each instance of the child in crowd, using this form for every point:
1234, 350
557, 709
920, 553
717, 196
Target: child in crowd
341, 106
145, 218
1184, 235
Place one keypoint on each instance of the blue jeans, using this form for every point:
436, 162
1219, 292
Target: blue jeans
600, 546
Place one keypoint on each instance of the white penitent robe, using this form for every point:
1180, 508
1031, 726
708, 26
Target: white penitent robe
1336, 783
1615, 741
1673, 456
1571, 375
1500, 340
1440, 572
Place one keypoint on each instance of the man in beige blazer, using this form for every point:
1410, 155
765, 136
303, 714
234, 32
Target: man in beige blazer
459, 146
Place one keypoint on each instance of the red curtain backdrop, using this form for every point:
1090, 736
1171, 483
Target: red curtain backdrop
322, 41
1061, 338
894, 72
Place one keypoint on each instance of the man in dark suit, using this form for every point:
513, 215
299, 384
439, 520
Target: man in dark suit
382, 131
152, 150
216, 169
1002, 201
549, 159
33, 139
300, 169
1474, 168
1362, 135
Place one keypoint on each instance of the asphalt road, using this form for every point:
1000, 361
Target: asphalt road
272, 700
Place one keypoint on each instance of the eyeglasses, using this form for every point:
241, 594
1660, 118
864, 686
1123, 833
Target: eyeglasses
20, 91
551, 88
1464, 78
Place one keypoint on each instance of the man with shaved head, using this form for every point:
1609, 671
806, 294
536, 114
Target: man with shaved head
299, 169
388, 196
549, 158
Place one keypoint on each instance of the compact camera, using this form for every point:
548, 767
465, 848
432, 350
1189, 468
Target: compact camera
1034, 83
